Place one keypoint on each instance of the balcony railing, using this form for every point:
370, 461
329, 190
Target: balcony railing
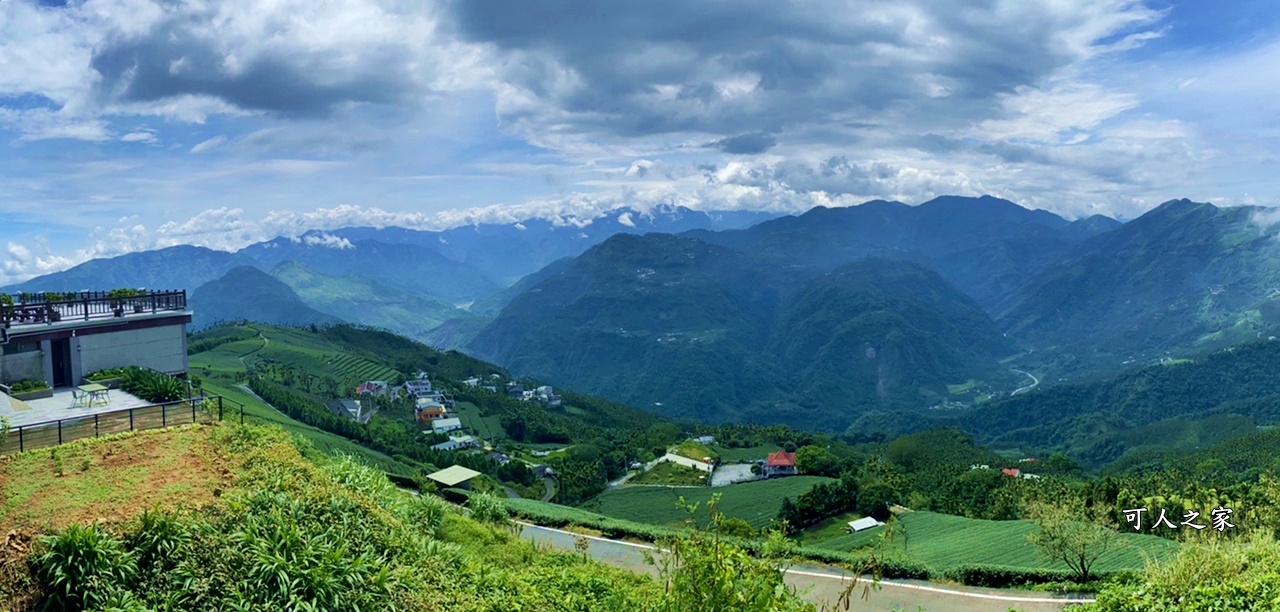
85, 305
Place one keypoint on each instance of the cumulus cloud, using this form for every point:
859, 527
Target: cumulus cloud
744, 70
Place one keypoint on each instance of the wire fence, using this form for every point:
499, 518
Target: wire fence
201, 409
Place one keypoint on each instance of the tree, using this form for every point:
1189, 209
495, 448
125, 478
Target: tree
1073, 534
816, 460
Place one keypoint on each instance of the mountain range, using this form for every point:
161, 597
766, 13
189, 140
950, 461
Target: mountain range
824, 316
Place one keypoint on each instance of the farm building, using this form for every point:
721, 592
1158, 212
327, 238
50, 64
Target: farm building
780, 463
863, 524
456, 477
351, 409
373, 387
446, 425
458, 443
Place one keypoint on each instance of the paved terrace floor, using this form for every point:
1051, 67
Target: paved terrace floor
60, 406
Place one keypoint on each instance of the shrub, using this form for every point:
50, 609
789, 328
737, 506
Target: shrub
84, 568
152, 386
487, 509
106, 374
29, 386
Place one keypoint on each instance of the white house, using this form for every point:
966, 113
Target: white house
457, 443
863, 524
446, 425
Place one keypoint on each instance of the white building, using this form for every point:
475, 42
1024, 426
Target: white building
446, 425
863, 524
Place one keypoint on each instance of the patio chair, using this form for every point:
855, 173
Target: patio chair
78, 398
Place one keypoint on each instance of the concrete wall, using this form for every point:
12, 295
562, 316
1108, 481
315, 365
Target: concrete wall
159, 348
22, 366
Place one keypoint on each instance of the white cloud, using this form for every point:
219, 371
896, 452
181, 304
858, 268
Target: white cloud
210, 144
328, 241
143, 136
625, 219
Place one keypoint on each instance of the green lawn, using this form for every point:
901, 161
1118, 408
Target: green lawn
752, 453
755, 502
694, 450
670, 473
830, 529
943, 541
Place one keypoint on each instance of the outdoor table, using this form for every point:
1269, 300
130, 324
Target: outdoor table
96, 392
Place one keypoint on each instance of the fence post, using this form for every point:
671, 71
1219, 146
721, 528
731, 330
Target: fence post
164, 421
95, 425
193, 411
219, 407
131, 419
21, 446
59, 432
242, 414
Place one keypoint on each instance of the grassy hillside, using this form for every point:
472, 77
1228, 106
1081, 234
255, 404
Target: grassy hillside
942, 542
755, 502
260, 527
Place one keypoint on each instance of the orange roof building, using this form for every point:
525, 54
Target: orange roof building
781, 459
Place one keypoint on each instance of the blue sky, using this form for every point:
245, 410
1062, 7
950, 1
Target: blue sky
135, 124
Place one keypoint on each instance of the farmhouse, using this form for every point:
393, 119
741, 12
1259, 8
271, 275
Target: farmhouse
1011, 472
457, 443
372, 387
863, 524
780, 463
456, 477
349, 408
446, 425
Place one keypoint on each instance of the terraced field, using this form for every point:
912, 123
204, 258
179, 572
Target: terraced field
350, 366
755, 502
943, 541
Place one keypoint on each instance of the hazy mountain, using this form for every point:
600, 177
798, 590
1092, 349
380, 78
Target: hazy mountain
1183, 277
248, 293
985, 246
179, 267
507, 252
362, 300
704, 331
407, 267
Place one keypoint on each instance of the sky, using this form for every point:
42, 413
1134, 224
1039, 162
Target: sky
134, 124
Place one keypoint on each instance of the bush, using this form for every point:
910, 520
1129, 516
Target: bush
106, 374
1001, 577
29, 386
85, 568
487, 509
153, 386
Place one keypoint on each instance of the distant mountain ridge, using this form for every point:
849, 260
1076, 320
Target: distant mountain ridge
248, 293
703, 331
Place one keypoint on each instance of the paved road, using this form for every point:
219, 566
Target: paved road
1034, 383
824, 585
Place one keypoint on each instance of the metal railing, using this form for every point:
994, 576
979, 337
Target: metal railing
86, 305
204, 408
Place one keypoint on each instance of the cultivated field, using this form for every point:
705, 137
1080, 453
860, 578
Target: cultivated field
755, 502
943, 541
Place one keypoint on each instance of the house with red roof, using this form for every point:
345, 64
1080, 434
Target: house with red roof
780, 463
1011, 472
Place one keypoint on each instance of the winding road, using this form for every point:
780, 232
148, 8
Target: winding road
823, 585
1035, 382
